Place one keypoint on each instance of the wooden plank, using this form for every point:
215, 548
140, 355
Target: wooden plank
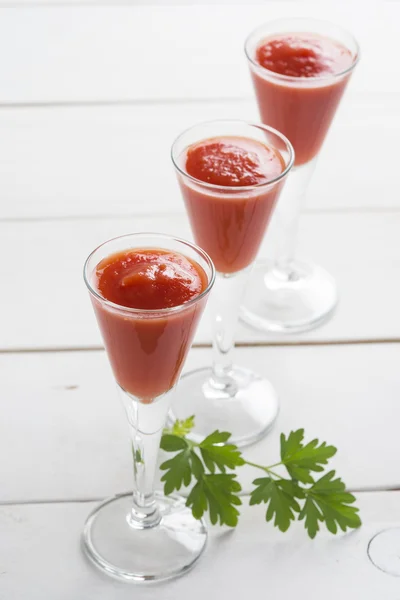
328, 567
45, 303
101, 160
107, 53
63, 433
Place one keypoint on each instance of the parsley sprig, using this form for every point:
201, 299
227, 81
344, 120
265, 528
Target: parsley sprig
210, 465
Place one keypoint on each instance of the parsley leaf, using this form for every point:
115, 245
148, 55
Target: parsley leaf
173, 443
178, 472
300, 459
327, 501
214, 492
217, 493
179, 469
281, 496
216, 455
181, 428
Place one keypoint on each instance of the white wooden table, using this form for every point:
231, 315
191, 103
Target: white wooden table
90, 100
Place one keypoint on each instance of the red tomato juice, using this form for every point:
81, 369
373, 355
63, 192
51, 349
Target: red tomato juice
227, 216
299, 87
146, 349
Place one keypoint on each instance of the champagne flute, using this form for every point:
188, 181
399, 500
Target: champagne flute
287, 295
148, 536
229, 222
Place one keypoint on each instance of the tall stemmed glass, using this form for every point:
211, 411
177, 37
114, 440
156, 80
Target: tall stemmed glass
229, 223
287, 295
149, 537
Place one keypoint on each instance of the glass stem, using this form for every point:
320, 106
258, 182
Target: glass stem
288, 215
225, 302
146, 422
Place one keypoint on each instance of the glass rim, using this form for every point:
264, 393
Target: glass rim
236, 188
159, 311
307, 81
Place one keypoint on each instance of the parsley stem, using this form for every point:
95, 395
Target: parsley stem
251, 464
266, 469
278, 464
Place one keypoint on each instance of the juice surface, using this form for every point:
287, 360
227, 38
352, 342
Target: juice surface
233, 161
303, 55
149, 279
227, 222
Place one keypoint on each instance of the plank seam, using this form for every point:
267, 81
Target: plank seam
255, 344
367, 489
46, 104
178, 214
344, 342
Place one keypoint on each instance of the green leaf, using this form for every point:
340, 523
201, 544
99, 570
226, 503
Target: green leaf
312, 515
280, 496
216, 493
138, 456
172, 443
197, 466
197, 499
183, 466
220, 456
216, 437
178, 471
181, 428
300, 460
327, 501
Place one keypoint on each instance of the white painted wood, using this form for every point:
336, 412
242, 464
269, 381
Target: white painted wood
84, 53
102, 160
40, 558
63, 433
45, 303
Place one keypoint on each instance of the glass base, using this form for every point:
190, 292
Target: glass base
246, 405
384, 551
156, 553
295, 300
